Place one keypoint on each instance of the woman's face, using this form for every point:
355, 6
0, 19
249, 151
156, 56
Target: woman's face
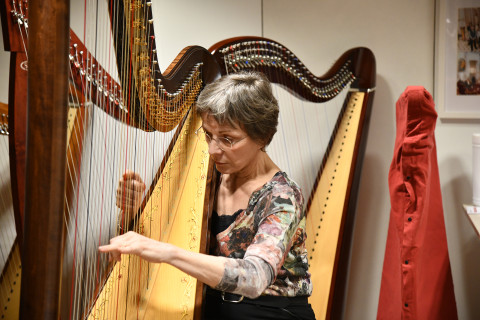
240, 157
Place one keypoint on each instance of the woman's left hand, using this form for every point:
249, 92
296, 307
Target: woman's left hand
134, 243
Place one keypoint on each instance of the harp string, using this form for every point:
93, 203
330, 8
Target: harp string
8, 233
303, 136
85, 271
136, 264
72, 171
9, 249
20, 13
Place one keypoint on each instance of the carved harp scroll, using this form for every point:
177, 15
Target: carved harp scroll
332, 191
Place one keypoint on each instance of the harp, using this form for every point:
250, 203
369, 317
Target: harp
141, 104
328, 172
354, 72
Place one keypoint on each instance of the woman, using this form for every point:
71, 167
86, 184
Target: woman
258, 266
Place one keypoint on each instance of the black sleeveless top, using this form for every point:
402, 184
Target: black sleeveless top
221, 223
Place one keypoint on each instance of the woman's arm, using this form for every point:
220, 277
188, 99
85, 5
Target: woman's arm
280, 211
249, 276
225, 274
207, 269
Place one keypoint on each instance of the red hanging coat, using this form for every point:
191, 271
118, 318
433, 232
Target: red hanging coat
416, 278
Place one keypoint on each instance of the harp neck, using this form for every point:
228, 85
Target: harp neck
282, 66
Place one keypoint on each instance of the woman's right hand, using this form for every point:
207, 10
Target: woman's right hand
134, 243
130, 192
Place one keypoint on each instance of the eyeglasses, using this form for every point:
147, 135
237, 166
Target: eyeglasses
222, 142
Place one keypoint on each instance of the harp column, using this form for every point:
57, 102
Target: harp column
48, 44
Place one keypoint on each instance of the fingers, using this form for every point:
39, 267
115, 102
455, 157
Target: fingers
131, 184
124, 202
130, 175
123, 244
130, 191
128, 201
128, 194
133, 243
113, 252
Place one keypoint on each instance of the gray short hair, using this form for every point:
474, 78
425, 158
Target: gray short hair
242, 99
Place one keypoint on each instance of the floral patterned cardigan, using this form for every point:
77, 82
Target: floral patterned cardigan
266, 242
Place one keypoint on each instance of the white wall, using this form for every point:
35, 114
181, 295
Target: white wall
183, 23
401, 34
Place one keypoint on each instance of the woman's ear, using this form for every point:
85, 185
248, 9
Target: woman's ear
262, 146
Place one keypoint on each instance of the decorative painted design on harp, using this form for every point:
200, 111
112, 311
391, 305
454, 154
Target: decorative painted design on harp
324, 157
